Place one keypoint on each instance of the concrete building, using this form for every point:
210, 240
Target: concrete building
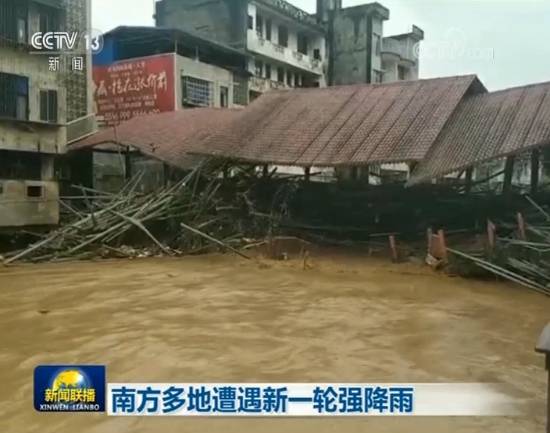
150, 70
358, 50
287, 46
400, 56
359, 53
196, 72
45, 103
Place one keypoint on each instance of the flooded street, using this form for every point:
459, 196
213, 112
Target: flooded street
223, 319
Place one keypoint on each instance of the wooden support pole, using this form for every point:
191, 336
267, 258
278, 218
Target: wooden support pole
521, 227
508, 174
393, 249
265, 171
412, 168
469, 176
443, 245
307, 173
430, 235
535, 169
491, 238
128, 164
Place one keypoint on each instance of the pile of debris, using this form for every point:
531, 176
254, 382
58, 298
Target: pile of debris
518, 251
187, 217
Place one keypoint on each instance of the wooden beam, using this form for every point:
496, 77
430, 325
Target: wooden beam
393, 249
469, 176
365, 174
508, 174
491, 235
443, 245
522, 233
535, 169
128, 164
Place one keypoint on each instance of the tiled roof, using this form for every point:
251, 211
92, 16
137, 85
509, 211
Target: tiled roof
165, 136
344, 125
489, 126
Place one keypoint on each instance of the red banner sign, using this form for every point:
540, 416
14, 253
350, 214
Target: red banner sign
132, 88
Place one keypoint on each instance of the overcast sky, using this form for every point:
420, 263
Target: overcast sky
505, 42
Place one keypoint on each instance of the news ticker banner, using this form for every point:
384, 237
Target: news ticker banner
307, 400
85, 389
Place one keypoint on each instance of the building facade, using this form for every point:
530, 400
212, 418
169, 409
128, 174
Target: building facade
149, 70
400, 56
286, 45
358, 50
45, 102
143, 70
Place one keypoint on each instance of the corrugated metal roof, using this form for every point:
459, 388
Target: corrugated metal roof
344, 125
489, 126
165, 136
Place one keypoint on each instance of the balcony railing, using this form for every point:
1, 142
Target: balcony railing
264, 84
283, 54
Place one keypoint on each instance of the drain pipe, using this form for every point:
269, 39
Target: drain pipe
543, 346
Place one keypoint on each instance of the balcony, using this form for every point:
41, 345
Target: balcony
263, 85
282, 54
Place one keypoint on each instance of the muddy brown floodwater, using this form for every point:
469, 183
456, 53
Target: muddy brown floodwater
222, 319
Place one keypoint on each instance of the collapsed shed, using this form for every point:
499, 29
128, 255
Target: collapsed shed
161, 143
490, 126
438, 127
353, 125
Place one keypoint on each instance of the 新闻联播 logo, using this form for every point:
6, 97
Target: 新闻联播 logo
69, 388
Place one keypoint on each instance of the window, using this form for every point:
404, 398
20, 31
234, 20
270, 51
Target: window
268, 71
289, 78
401, 73
48, 106
224, 97
259, 25
49, 21
240, 90
317, 54
21, 30
13, 21
35, 191
14, 96
280, 75
196, 92
20, 165
258, 68
22, 110
250, 22
377, 44
283, 36
302, 44
22, 26
268, 29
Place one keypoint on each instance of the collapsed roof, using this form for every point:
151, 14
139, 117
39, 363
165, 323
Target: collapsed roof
169, 137
344, 125
443, 124
487, 127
